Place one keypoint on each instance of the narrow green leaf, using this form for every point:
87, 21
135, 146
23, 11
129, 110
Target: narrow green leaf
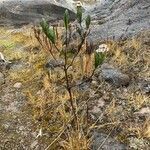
88, 21
79, 14
66, 19
50, 33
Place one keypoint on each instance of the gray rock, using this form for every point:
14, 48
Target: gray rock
2, 79
17, 13
145, 111
120, 18
109, 144
54, 64
114, 76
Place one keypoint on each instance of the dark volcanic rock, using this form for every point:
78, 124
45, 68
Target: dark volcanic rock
24, 12
117, 19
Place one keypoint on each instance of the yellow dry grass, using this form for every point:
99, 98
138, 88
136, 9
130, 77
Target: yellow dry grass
49, 102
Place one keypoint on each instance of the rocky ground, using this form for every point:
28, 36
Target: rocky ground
118, 95
17, 125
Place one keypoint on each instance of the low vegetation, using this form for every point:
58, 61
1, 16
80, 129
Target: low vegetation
58, 106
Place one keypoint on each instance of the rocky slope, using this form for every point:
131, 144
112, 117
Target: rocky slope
111, 19
120, 18
19, 13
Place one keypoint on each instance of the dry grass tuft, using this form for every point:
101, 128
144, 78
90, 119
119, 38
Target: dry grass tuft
76, 140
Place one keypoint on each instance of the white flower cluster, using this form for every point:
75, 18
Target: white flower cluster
102, 48
78, 4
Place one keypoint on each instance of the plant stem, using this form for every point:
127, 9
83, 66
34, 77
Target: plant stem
68, 87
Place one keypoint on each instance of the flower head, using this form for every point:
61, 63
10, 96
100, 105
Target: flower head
102, 48
79, 4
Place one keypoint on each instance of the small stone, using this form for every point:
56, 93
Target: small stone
114, 76
36, 50
2, 79
145, 111
145, 86
52, 64
39, 92
101, 103
96, 110
92, 93
18, 85
94, 83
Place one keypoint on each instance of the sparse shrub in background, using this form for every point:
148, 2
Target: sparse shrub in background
69, 50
